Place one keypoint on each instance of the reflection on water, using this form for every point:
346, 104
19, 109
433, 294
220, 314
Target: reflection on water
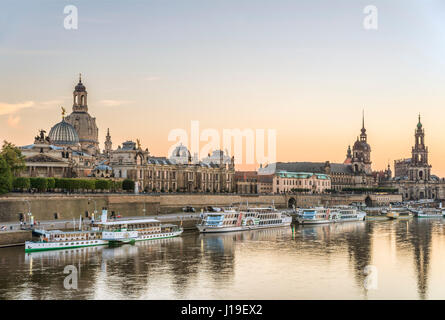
310, 262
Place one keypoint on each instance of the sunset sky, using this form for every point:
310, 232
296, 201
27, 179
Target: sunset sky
304, 68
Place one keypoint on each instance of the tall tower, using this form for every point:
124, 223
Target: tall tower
81, 120
108, 143
361, 152
80, 97
419, 167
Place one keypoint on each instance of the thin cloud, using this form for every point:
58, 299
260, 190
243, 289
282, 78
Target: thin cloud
10, 108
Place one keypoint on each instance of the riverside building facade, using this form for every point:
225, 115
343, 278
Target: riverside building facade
413, 177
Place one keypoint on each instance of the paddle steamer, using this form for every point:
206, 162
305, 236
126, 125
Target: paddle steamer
104, 232
230, 219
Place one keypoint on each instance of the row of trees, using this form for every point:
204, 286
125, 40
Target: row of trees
300, 190
371, 190
71, 184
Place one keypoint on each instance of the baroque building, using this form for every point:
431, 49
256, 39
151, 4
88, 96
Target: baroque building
83, 122
57, 155
354, 172
361, 153
71, 149
413, 176
247, 182
173, 174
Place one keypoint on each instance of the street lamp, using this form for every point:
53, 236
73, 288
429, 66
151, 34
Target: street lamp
95, 211
29, 208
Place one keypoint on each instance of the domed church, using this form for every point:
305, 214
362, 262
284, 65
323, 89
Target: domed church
64, 134
83, 122
71, 147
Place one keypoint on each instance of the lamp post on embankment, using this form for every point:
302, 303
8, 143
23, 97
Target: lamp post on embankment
95, 207
29, 214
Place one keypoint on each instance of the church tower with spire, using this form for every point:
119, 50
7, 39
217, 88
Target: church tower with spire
348, 159
80, 97
419, 167
83, 122
108, 144
361, 152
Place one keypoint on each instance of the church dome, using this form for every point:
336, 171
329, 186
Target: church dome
63, 134
181, 151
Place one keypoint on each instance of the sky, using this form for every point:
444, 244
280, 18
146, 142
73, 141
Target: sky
306, 69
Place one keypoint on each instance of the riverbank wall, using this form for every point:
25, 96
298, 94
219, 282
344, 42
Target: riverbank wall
43, 207
14, 238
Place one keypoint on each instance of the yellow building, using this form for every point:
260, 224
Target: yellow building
285, 182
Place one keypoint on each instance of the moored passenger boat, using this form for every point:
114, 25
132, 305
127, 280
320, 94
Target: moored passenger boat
230, 219
349, 213
129, 231
104, 232
56, 239
318, 215
428, 213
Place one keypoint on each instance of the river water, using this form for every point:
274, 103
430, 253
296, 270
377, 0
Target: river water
354, 260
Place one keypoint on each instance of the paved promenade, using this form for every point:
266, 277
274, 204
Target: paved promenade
188, 217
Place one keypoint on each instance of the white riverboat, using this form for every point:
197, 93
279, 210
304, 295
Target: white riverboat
428, 212
56, 239
349, 213
104, 232
317, 215
229, 219
130, 231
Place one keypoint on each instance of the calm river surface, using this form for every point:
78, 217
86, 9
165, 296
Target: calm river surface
407, 260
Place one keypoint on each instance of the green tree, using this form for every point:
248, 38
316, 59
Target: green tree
51, 182
117, 186
21, 183
5, 176
103, 184
41, 184
87, 184
128, 185
60, 183
13, 157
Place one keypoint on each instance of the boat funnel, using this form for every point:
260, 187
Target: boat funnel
104, 215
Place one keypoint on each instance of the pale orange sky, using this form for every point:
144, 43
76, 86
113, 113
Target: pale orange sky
302, 68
